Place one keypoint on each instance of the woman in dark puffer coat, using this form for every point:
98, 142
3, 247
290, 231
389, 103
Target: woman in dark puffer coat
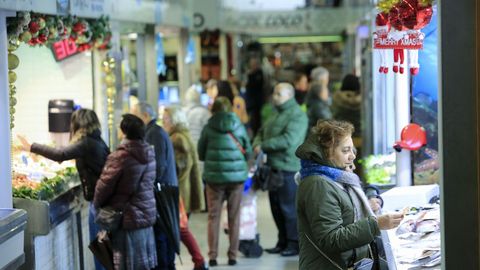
126, 184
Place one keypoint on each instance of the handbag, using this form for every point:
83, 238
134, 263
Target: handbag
109, 218
101, 248
363, 264
265, 177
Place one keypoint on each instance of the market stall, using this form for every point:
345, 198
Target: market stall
50, 75
405, 124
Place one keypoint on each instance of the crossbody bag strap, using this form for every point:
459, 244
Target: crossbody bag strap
240, 147
321, 252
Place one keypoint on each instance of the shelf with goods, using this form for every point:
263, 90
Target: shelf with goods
51, 195
38, 178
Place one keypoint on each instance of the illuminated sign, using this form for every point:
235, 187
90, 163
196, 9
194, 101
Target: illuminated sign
64, 49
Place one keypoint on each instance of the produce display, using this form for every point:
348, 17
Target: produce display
379, 169
38, 178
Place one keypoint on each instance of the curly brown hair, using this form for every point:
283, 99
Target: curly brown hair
329, 133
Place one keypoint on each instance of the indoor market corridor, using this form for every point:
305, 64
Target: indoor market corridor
267, 230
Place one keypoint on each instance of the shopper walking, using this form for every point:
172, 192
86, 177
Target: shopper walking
197, 114
126, 184
189, 179
279, 138
89, 151
224, 146
335, 221
318, 100
167, 233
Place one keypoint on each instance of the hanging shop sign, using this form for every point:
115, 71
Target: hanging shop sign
63, 6
87, 8
260, 22
398, 28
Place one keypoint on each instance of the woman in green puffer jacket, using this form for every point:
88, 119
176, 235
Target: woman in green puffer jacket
335, 221
224, 146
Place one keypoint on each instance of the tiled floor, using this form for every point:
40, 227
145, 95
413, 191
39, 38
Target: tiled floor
267, 230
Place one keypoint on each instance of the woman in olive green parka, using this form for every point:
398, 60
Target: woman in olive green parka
224, 146
334, 215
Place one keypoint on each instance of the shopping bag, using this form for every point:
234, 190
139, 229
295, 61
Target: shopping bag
102, 250
248, 216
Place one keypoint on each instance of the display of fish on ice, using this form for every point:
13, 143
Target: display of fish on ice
421, 223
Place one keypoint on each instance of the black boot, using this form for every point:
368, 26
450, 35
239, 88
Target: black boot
275, 250
291, 249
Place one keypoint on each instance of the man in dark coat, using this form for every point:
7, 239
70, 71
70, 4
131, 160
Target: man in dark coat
166, 186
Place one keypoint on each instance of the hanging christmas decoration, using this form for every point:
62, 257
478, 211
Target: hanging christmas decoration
404, 18
108, 67
43, 30
13, 63
382, 28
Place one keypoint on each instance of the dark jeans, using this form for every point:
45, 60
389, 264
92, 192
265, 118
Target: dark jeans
93, 231
165, 251
282, 204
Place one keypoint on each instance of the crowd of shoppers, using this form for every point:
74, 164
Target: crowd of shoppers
198, 158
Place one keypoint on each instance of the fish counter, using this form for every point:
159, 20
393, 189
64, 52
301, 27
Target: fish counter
416, 242
56, 233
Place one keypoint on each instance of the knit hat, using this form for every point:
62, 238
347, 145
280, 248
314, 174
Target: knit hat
350, 83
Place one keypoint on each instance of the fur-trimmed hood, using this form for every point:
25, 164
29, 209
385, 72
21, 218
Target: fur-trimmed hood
347, 100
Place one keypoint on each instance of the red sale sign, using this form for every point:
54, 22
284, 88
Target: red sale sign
63, 49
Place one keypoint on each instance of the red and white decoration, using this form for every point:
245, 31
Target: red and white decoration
398, 29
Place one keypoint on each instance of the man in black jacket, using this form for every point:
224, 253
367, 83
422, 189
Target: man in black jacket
166, 188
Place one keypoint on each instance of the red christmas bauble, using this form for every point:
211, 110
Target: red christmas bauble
42, 38
33, 42
424, 16
394, 18
79, 28
381, 19
33, 27
411, 15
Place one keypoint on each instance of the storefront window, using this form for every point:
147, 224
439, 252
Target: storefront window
425, 108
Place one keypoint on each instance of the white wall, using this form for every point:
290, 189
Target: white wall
41, 78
